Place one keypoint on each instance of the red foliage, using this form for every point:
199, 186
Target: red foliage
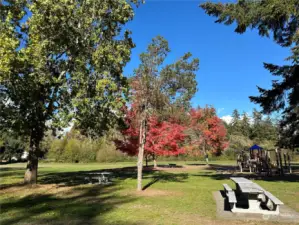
211, 129
168, 137
163, 137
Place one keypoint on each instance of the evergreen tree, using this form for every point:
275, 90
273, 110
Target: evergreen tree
280, 19
245, 125
235, 127
257, 128
270, 130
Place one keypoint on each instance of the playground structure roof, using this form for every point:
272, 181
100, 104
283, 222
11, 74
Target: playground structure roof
255, 147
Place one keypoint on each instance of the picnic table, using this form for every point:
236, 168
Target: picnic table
251, 190
254, 194
102, 177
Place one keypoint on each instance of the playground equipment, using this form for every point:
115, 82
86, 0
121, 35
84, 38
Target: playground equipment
261, 161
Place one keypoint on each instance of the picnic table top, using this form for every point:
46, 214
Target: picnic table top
239, 180
247, 186
102, 173
251, 188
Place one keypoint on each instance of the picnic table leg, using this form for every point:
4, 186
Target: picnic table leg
253, 202
238, 190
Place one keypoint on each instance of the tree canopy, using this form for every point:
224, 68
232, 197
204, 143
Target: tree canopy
61, 60
278, 19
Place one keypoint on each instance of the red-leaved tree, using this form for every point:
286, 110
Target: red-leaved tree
207, 132
164, 138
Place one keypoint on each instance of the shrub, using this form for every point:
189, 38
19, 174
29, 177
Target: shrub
83, 149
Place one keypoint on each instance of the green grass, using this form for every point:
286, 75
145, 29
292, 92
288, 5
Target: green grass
175, 196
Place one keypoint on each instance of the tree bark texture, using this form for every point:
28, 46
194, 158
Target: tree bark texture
142, 139
32, 164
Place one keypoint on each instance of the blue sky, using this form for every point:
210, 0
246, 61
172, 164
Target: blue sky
231, 65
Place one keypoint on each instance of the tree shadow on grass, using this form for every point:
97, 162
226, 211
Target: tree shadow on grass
117, 175
7, 171
196, 164
60, 198
253, 176
165, 177
76, 205
67, 179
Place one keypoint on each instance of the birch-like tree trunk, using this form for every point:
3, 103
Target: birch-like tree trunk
142, 138
155, 162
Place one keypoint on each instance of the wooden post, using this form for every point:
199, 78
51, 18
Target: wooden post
285, 160
280, 163
277, 160
289, 161
239, 163
269, 163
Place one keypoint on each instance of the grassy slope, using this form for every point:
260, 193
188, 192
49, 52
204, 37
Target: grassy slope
177, 196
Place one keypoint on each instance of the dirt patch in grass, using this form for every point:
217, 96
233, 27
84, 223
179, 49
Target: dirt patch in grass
181, 168
154, 192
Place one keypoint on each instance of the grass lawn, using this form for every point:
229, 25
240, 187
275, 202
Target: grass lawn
172, 195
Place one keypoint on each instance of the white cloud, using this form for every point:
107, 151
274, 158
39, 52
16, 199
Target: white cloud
228, 118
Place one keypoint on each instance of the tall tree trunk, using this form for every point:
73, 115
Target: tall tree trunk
155, 161
32, 164
142, 138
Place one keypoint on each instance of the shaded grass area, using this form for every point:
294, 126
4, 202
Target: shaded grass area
170, 196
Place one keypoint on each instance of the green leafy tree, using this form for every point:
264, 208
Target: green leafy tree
279, 19
11, 146
157, 87
61, 60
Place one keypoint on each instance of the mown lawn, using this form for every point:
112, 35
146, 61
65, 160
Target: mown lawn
172, 196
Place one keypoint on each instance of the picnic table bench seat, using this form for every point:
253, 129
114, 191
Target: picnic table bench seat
273, 198
227, 188
231, 196
272, 202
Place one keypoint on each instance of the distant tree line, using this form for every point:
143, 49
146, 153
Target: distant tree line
245, 130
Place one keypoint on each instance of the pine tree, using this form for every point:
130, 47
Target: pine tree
280, 19
235, 127
257, 128
245, 125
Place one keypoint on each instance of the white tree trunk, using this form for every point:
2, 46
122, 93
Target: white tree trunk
142, 138
155, 163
